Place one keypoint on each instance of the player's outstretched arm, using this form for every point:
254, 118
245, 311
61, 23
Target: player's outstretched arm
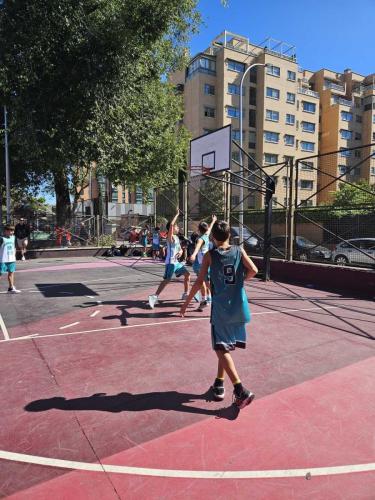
196, 249
251, 268
214, 219
198, 284
171, 227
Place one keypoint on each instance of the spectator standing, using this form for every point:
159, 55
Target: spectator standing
22, 233
8, 256
83, 234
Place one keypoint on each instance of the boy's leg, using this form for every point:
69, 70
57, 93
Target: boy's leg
226, 364
161, 287
186, 282
11, 280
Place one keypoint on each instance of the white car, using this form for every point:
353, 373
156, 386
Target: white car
359, 251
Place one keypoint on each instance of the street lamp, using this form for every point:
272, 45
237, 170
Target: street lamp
241, 144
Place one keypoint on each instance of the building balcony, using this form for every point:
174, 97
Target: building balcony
339, 100
311, 93
335, 87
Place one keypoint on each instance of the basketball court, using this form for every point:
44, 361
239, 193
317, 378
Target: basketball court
105, 398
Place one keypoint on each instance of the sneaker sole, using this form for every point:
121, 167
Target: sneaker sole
245, 402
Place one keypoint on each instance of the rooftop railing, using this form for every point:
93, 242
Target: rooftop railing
308, 92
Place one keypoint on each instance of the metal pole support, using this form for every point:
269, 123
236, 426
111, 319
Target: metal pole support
185, 208
270, 190
7, 169
291, 209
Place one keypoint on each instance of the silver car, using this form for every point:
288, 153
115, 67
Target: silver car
358, 251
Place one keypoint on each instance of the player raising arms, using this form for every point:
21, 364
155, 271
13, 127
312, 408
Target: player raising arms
201, 248
172, 264
229, 267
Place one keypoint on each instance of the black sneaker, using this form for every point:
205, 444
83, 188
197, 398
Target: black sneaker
244, 399
218, 392
202, 306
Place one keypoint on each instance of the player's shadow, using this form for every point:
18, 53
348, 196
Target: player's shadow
125, 401
134, 309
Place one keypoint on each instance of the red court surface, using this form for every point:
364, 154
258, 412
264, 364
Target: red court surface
108, 399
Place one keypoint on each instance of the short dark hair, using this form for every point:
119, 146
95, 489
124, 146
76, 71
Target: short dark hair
221, 230
8, 227
157, 228
203, 226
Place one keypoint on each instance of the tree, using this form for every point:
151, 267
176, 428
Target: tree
354, 199
83, 80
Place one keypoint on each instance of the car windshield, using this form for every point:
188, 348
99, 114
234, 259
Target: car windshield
304, 242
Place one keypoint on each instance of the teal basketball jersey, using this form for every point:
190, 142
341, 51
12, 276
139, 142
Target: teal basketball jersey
204, 248
229, 300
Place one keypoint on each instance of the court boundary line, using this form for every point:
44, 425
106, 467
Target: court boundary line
190, 474
124, 327
3, 328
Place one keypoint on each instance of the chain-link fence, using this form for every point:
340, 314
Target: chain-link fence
323, 209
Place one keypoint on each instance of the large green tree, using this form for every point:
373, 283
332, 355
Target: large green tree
354, 199
84, 81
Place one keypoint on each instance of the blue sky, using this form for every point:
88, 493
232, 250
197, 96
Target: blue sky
329, 34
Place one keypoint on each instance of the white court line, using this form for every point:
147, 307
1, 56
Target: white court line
70, 324
191, 474
4, 328
94, 314
124, 327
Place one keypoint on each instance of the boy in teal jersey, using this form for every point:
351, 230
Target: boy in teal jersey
172, 264
8, 256
229, 267
201, 248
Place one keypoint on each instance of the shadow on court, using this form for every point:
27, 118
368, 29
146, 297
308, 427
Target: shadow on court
125, 401
58, 290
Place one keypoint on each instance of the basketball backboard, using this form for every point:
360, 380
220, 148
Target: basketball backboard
212, 151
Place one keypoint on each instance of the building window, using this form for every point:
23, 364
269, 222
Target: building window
309, 107
304, 184
270, 158
357, 153
272, 93
236, 135
273, 70
344, 153
234, 89
209, 89
307, 165
372, 170
252, 118
358, 136
358, 118
342, 169
209, 112
207, 131
290, 119
272, 116
307, 146
271, 136
373, 118
289, 140
346, 134
308, 127
291, 76
236, 155
235, 66
252, 140
233, 112
235, 200
306, 203
202, 64
252, 96
290, 97
138, 195
114, 194
253, 74
346, 116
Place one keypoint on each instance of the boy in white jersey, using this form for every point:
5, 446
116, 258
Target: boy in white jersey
172, 264
201, 248
8, 256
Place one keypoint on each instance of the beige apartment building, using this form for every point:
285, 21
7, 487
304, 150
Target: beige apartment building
282, 104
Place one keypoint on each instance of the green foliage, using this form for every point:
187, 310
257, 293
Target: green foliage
105, 240
211, 197
354, 200
84, 81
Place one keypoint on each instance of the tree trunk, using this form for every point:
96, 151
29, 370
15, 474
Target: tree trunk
63, 206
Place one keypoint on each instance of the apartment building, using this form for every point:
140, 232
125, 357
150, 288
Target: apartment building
102, 197
347, 120
282, 104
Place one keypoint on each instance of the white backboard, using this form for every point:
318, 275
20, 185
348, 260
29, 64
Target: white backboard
212, 151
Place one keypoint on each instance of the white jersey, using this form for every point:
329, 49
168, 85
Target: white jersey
172, 250
7, 249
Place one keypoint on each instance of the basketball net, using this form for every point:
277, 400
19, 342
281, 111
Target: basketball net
196, 170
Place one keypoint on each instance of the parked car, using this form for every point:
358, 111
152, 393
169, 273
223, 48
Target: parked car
252, 243
303, 250
359, 251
